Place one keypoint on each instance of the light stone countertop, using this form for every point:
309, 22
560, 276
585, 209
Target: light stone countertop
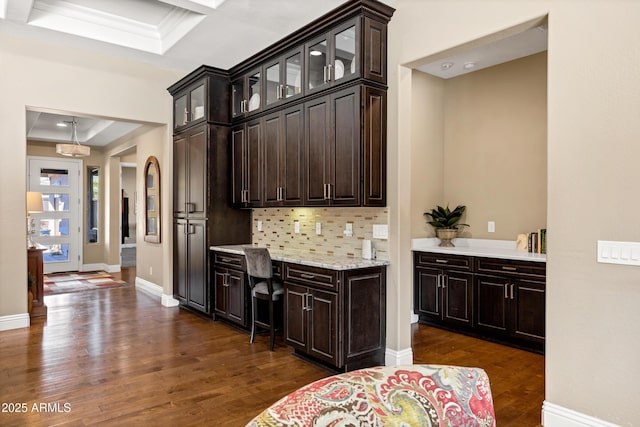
505, 249
313, 260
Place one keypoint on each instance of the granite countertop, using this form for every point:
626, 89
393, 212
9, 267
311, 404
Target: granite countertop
310, 259
505, 249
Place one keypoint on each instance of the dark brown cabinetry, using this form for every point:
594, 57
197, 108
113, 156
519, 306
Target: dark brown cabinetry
246, 164
444, 289
230, 288
331, 77
499, 299
511, 299
336, 317
201, 206
283, 136
35, 268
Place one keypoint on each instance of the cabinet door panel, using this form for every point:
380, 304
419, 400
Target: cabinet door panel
197, 173
528, 306
317, 151
427, 298
220, 291
197, 256
323, 317
375, 55
295, 329
180, 260
272, 159
492, 305
293, 155
180, 168
253, 163
237, 165
457, 298
374, 167
236, 297
344, 160
364, 325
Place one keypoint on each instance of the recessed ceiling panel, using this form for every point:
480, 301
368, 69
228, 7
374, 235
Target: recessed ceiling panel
149, 26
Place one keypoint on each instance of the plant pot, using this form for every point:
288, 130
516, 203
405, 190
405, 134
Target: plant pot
446, 235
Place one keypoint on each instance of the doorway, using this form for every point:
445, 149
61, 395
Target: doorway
57, 227
128, 221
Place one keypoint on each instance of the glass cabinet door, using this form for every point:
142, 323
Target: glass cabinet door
196, 98
345, 64
180, 111
293, 75
317, 64
273, 85
254, 92
237, 97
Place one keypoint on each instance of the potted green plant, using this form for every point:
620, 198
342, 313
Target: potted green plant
446, 223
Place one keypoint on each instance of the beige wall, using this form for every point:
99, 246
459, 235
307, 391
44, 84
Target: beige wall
593, 98
130, 192
37, 75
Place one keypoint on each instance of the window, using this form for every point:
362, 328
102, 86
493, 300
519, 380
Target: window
93, 196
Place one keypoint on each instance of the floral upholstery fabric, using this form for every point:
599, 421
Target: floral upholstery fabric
412, 395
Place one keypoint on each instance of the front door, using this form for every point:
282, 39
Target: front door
57, 227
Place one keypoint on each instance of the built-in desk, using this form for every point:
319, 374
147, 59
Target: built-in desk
334, 307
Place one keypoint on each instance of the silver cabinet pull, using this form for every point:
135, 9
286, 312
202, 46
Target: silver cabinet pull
444, 278
328, 73
226, 280
192, 229
442, 261
190, 207
438, 281
324, 74
506, 291
512, 286
505, 267
307, 276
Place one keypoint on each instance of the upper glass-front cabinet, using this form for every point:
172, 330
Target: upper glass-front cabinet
283, 78
334, 57
245, 95
190, 107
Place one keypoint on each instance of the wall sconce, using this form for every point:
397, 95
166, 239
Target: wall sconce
34, 204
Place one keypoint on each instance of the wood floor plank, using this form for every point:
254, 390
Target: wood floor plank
116, 357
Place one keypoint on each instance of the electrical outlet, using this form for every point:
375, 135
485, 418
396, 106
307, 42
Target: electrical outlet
348, 229
380, 231
491, 226
259, 224
150, 271
318, 228
296, 227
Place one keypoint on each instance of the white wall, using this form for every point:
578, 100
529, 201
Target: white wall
37, 75
593, 132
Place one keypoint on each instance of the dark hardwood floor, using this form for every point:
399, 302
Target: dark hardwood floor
116, 357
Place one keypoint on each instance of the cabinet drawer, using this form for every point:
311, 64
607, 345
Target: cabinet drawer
229, 260
509, 267
312, 276
277, 269
457, 262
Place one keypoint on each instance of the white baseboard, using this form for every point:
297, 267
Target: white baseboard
156, 290
112, 268
128, 245
414, 317
15, 321
94, 267
557, 416
398, 357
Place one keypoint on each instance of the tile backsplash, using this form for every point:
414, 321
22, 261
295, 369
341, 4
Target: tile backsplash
278, 230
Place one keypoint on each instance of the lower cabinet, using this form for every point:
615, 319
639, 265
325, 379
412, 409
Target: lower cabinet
230, 288
191, 284
498, 299
511, 307
336, 317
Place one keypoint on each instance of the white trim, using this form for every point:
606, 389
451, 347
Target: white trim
128, 245
556, 416
169, 301
156, 290
93, 267
398, 357
15, 321
149, 287
112, 268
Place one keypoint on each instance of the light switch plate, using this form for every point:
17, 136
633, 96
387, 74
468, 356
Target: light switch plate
380, 231
259, 225
318, 228
296, 227
610, 252
348, 229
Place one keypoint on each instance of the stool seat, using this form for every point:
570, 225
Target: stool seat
263, 288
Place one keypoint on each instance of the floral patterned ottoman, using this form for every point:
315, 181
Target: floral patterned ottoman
412, 395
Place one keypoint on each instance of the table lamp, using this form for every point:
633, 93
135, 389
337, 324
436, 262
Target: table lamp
34, 204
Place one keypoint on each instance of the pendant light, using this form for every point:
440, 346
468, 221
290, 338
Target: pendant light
74, 149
